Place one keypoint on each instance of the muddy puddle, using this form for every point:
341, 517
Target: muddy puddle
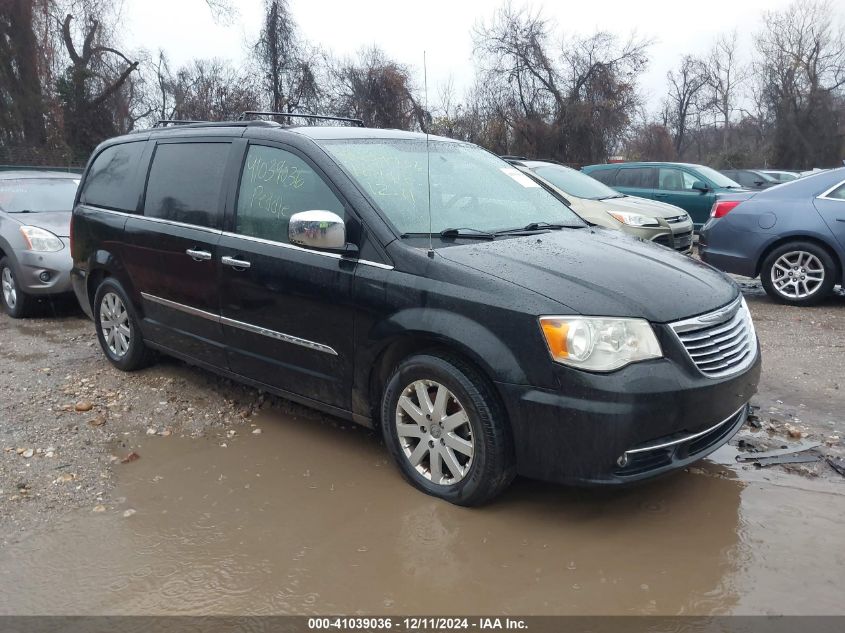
308, 517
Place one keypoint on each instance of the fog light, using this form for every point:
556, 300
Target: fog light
45, 276
622, 461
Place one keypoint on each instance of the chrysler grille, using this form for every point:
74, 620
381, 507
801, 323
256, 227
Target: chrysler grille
720, 343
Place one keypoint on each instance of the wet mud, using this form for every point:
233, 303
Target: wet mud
309, 516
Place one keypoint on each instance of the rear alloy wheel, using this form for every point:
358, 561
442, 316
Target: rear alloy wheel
799, 273
444, 426
117, 328
114, 321
15, 302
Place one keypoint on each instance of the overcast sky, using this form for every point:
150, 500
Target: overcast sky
186, 29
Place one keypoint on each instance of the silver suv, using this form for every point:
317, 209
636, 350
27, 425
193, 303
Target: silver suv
35, 211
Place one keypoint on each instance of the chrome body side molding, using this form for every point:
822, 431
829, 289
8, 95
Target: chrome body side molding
248, 327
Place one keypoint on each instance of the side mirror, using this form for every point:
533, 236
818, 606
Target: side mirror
317, 229
700, 185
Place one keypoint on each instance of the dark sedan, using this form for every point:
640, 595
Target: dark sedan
751, 178
792, 236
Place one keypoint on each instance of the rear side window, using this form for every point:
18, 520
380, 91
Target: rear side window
111, 182
607, 176
185, 182
636, 177
276, 184
838, 193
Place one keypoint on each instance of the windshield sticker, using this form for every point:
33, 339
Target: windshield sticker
518, 176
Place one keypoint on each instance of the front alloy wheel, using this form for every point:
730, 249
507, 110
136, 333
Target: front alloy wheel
15, 302
10, 291
447, 430
434, 432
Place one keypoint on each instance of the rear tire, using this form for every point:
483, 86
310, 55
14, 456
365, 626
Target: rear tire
16, 303
798, 273
117, 328
443, 424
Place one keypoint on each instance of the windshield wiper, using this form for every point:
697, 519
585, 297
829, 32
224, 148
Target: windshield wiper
475, 234
536, 226
23, 211
618, 195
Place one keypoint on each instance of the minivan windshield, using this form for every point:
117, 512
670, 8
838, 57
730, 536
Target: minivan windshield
31, 195
575, 183
470, 188
718, 179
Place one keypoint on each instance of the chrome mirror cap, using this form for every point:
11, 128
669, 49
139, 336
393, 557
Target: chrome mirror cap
317, 229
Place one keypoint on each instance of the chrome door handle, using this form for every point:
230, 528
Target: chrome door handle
235, 263
199, 256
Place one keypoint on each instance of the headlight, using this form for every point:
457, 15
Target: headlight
38, 239
633, 219
599, 344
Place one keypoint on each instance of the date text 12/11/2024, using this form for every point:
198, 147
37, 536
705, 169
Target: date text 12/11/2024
415, 623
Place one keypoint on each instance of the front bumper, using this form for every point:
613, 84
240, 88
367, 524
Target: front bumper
680, 238
79, 281
644, 420
44, 273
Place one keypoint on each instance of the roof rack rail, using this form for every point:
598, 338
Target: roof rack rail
312, 117
166, 122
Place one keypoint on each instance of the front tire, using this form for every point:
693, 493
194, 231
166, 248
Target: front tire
117, 328
16, 303
444, 426
798, 273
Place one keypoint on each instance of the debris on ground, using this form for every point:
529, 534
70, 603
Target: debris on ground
787, 450
100, 420
796, 458
131, 457
798, 454
837, 463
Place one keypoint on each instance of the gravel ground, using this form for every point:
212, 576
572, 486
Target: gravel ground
66, 415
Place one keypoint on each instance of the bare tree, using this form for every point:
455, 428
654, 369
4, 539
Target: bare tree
287, 64
377, 90
685, 92
802, 68
650, 141
22, 106
574, 105
96, 73
209, 90
725, 75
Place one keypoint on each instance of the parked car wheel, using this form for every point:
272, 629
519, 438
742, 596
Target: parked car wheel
445, 428
16, 303
117, 328
798, 273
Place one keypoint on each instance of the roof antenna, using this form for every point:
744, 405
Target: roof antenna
428, 160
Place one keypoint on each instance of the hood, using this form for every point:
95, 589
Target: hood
651, 208
57, 222
598, 272
594, 211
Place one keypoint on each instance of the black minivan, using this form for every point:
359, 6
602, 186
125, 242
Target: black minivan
418, 285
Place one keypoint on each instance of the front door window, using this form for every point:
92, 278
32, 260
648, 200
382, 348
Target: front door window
275, 184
